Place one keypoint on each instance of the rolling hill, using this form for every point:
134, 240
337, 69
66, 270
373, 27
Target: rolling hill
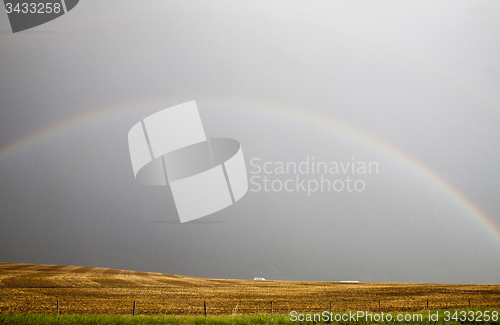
30, 288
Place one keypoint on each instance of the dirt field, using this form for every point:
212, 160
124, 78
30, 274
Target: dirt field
28, 288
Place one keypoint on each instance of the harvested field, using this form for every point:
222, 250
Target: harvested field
29, 288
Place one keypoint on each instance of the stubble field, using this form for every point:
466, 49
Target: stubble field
29, 288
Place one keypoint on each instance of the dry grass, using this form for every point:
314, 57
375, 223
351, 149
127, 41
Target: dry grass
28, 288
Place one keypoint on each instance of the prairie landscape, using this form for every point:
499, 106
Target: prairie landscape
35, 289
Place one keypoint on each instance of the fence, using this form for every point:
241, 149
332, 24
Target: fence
208, 308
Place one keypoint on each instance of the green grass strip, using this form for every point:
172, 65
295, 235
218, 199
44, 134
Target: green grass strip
449, 316
141, 319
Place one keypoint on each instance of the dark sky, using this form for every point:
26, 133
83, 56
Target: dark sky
410, 86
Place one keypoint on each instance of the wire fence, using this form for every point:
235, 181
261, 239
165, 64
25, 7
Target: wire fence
242, 307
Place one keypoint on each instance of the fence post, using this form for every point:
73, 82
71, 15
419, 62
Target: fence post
469, 302
272, 311
330, 306
379, 307
427, 304
205, 308
58, 308
133, 310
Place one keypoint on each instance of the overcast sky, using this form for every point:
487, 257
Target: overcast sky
413, 86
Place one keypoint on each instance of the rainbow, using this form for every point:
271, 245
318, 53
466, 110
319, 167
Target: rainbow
306, 115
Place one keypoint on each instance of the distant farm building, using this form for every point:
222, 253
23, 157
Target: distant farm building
259, 279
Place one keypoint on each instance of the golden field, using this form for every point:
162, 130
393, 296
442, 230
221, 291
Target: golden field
29, 288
